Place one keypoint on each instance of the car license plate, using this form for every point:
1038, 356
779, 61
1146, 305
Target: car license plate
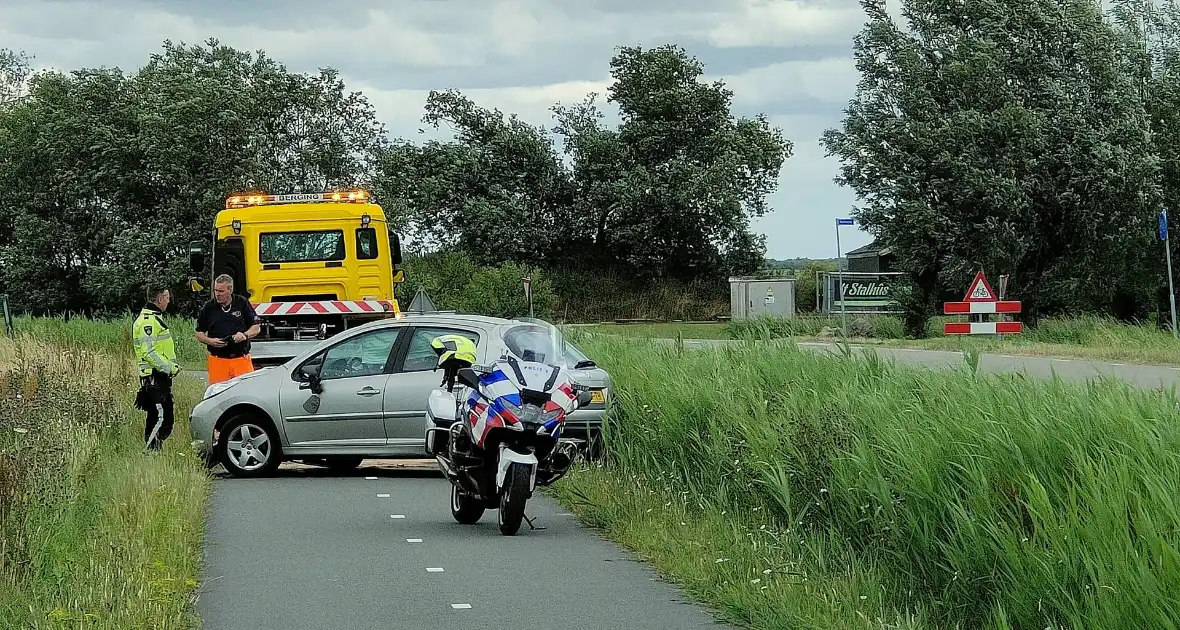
597, 397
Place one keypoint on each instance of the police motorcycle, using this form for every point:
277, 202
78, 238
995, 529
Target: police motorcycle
497, 436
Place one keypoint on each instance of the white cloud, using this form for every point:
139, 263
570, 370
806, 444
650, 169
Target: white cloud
786, 23
831, 80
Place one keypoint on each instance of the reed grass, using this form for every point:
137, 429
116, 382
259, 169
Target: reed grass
952, 499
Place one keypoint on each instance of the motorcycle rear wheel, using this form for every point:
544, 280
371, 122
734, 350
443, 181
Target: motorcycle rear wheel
466, 510
513, 499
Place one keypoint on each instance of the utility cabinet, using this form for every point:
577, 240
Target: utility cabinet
752, 297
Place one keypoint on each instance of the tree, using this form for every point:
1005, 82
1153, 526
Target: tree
15, 72
1000, 135
671, 192
109, 176
498, 191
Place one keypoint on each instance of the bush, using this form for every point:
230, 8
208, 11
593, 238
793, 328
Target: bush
499, 292
982, 501
455, 283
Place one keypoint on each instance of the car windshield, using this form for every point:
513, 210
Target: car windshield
535, 340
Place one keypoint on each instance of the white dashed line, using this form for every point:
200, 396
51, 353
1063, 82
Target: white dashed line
370, 478
397, 516
458, 606
1118, 364
566, 514
383, 496
434, 569
413, 540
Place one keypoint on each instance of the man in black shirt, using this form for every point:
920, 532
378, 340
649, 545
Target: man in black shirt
226, 324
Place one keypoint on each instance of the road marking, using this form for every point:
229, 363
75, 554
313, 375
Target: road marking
1118, 364
434, 569
370, 478
566, 514
383, 496
1064, 360
458, 606
413, 540
397, 516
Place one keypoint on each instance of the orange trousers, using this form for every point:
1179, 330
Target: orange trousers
225, 369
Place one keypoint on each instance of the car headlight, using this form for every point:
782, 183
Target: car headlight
217, 388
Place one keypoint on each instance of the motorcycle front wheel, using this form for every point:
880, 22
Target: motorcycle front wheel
516, 492
465, 509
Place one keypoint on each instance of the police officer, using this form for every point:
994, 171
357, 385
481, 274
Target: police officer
454, 352
155, 352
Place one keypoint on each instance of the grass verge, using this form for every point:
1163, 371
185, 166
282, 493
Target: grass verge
907, 498
93, 532
1093, 338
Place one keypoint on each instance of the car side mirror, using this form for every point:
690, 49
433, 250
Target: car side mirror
468, 377
395, 248
309, 378
584, 398
196, 256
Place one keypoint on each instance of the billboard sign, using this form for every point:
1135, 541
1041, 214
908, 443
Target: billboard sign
863, 292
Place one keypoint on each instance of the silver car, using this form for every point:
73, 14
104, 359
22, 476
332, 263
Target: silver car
367, 399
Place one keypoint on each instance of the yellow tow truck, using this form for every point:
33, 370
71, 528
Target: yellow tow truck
312, 264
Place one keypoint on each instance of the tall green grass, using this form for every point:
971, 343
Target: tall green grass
94, 533
965, 500
112, 335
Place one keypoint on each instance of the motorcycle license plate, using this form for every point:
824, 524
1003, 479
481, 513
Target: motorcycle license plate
597, 397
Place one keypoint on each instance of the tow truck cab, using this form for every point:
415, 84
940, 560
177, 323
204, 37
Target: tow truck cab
311, 264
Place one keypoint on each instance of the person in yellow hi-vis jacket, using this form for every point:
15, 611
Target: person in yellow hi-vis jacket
155, 352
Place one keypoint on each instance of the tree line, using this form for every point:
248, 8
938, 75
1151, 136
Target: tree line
106, 175
1036, 138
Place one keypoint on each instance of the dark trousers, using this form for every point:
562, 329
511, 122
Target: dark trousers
155, 397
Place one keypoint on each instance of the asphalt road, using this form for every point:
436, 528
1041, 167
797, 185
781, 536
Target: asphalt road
313, 549
1147, 376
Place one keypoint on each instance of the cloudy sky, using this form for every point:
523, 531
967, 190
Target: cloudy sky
788, 58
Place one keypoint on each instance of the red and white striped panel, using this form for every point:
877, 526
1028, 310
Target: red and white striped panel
982, 328
997, 306
326, 307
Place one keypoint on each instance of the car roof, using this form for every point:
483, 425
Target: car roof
457, 318
437, 318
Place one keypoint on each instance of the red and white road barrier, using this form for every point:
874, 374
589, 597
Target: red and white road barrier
980, 299
325, 307
982, 328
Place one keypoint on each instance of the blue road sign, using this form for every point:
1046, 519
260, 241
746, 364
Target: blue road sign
1164, 225
843, 221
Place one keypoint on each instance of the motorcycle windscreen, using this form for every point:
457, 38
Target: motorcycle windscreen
535, 341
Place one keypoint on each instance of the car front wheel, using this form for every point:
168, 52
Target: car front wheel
248, 447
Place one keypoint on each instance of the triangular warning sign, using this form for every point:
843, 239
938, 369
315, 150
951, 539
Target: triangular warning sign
980, 290
421, 303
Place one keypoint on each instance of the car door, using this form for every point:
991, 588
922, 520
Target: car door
413, 378
350, 409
